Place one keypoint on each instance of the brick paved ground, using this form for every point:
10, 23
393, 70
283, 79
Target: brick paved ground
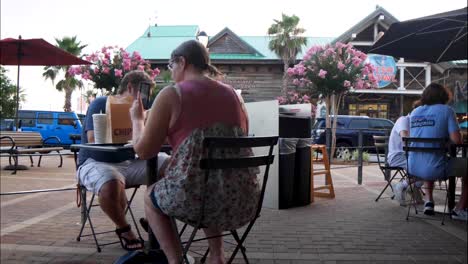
352, 228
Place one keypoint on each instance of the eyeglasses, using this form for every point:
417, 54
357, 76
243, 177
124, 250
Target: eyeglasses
172, 61
170, 65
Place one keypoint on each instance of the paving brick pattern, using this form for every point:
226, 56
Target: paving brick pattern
352, 228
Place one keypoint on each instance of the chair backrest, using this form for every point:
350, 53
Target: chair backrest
430, 145
381, 149
425, 145
210, 144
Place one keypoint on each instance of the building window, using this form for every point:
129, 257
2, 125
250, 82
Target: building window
371, 110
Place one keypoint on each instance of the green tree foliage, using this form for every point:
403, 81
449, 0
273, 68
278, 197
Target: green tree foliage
8, 95
286, 42
69, 83
165, 79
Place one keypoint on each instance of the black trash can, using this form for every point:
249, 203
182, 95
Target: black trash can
287, 149
295, 126
301, 188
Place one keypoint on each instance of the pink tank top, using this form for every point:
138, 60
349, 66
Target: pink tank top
203, 104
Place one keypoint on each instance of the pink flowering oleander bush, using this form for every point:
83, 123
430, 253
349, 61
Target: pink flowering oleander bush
110, 64
333, 69
293, 98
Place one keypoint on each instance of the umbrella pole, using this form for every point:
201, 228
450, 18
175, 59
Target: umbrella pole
17, 84
17, 98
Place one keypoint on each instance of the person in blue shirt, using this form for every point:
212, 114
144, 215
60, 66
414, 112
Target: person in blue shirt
435, 119
107, 174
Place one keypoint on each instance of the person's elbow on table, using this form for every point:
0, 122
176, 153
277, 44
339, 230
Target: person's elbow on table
455, 137
90, 136
143, 151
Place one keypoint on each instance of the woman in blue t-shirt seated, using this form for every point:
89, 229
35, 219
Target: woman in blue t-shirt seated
434, 119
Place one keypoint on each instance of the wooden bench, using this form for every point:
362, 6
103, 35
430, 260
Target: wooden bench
16, 143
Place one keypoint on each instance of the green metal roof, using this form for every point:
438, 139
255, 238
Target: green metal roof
153, 48
163, 39
173, 31
234, 56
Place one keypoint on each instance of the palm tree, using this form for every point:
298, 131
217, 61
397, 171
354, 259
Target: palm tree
286, 42
69, 83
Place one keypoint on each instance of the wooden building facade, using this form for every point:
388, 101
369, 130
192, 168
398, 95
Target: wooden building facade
250, 66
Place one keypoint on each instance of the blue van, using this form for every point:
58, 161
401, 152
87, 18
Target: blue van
51, 123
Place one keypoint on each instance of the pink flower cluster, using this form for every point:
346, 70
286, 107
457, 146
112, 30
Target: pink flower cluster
109, 66
293, 98
333, 68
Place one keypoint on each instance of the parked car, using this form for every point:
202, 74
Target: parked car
347, 132
51, 123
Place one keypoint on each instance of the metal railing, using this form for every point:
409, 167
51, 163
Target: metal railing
360, 149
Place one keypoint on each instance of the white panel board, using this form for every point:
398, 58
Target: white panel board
263, 121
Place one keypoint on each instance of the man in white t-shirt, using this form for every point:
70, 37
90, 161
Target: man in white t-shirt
396, 158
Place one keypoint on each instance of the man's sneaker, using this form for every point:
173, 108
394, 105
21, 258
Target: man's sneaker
460, 214
400, 193
429, 208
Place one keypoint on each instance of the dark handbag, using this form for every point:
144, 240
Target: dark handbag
156, 256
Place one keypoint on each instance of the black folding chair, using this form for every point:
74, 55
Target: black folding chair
214, 163
381, 148
81, 196
426, 145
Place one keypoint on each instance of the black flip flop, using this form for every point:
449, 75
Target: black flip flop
125, 242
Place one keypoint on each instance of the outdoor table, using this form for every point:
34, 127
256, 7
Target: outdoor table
151, 177
452, 183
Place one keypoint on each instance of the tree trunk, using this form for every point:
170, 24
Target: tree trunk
284, 89
335, 118
336, 99
327, 121
68, 94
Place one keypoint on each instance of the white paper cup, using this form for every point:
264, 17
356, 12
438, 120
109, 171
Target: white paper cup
100, 128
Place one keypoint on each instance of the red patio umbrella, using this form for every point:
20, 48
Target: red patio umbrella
33, 52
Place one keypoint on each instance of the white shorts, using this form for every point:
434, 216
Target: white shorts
398, 160
94, 174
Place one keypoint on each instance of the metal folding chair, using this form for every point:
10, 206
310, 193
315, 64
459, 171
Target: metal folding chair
381, 149
81, 196
426, 145
214, 163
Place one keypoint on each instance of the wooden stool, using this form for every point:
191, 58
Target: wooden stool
328, 180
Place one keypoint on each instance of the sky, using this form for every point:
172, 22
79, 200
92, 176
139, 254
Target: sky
120, 22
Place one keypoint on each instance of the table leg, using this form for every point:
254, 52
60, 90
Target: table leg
451, 194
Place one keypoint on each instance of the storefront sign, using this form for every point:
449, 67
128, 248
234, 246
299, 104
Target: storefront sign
384, 69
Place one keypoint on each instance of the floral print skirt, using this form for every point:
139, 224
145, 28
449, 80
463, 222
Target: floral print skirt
231, 196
